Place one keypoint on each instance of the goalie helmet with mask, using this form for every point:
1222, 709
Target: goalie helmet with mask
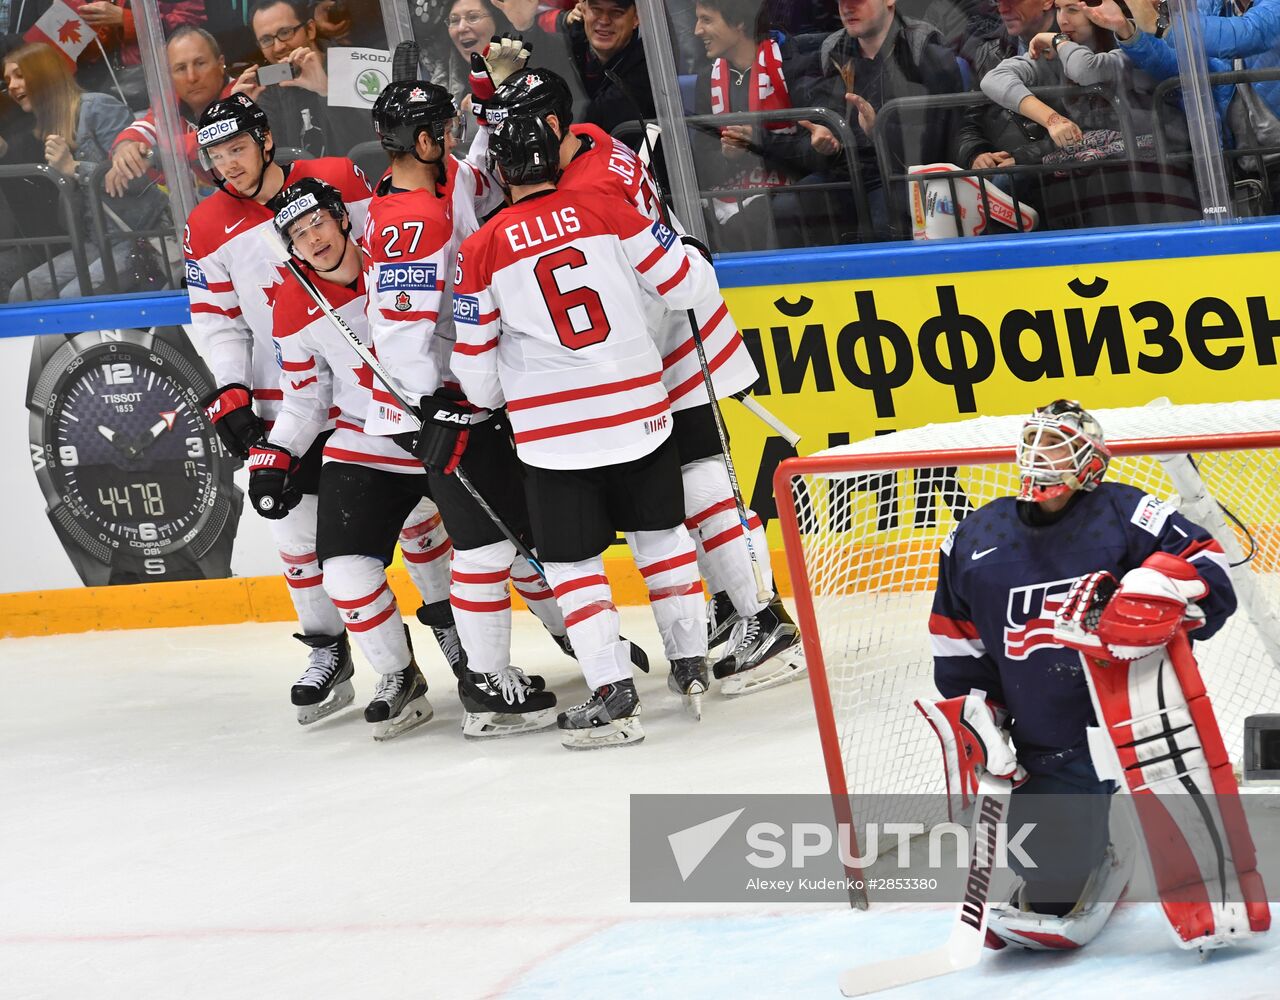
221, 122
407, 108
524, 151
1061, 450
535, 92
303, 205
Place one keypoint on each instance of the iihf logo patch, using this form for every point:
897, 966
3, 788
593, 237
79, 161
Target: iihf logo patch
1029, 617
403, 302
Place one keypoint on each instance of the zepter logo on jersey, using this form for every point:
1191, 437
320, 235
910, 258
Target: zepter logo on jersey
496, 116
295, 209
1029, 617
218, 130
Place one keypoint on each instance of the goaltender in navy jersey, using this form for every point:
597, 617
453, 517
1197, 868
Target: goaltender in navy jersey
234, 273
607, 166
548, 311
1000, 580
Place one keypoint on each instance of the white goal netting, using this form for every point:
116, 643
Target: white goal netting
871, 516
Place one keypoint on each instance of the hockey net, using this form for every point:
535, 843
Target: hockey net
863, 523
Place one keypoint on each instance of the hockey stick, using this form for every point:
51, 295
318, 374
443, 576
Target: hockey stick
754, 408
646, 158
963, 948
388, 383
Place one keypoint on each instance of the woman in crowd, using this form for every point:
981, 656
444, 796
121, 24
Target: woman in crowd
74, 130
1088, 127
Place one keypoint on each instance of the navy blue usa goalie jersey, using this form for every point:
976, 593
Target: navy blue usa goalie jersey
1001, 577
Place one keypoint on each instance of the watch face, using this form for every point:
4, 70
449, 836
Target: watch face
129, 453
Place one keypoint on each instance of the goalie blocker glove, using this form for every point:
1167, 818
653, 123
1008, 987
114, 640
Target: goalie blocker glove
269, 471
230, 410
973, 741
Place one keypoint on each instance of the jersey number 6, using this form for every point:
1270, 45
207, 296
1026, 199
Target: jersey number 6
562, 304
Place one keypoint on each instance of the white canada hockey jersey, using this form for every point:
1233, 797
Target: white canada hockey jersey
234, 274
609, 166
548, 308
320, 370
413, 239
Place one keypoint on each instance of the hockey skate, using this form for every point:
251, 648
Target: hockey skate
439, 618
764, 651
610, 717
399, 703
639, 658
504, 704
1015, 923
688, 678
722, 616
326, 686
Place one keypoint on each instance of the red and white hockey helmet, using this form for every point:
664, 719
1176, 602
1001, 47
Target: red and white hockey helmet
1061, 450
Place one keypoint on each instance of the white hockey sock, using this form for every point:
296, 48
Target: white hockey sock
582, 591
712, 517
537, 595
669, 565
358, 586
481, 602
295, 539
426, 547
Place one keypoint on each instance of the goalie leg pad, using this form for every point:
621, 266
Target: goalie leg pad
1161, 722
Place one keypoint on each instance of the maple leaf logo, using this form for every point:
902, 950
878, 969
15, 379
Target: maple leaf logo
272, 291
70, 31
364, 375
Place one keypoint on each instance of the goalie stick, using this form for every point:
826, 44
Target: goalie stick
963, 948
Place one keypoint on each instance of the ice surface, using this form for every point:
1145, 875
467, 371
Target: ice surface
168, 830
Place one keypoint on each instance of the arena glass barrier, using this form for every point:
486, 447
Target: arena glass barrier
850, 342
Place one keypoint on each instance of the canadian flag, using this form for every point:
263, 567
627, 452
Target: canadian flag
63, 28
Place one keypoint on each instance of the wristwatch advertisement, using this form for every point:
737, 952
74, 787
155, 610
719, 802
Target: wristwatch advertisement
137, 485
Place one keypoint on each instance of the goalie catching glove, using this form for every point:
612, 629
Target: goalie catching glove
972, 737
1135, 616
230, 410
504, 55
269, 471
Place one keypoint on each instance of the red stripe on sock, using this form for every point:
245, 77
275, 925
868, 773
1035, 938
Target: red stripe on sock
715, 541
361, 602
375, 621
481, 606
683, 590
669, 564
569, 586
500, 576
587, 611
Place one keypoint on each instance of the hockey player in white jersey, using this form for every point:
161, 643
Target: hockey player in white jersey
368, 484
549, 320
233, 274
763, 643
423, 207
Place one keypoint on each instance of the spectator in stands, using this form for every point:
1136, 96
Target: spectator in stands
991, 136
879, 56
1237, 35
470, 24
114, 24
746, 74
536, 23
1088, 128
299, 108
78, 128
199, 74
608, 58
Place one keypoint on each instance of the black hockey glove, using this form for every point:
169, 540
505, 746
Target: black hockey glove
697, 244
269, 471
446, 425
230, 410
